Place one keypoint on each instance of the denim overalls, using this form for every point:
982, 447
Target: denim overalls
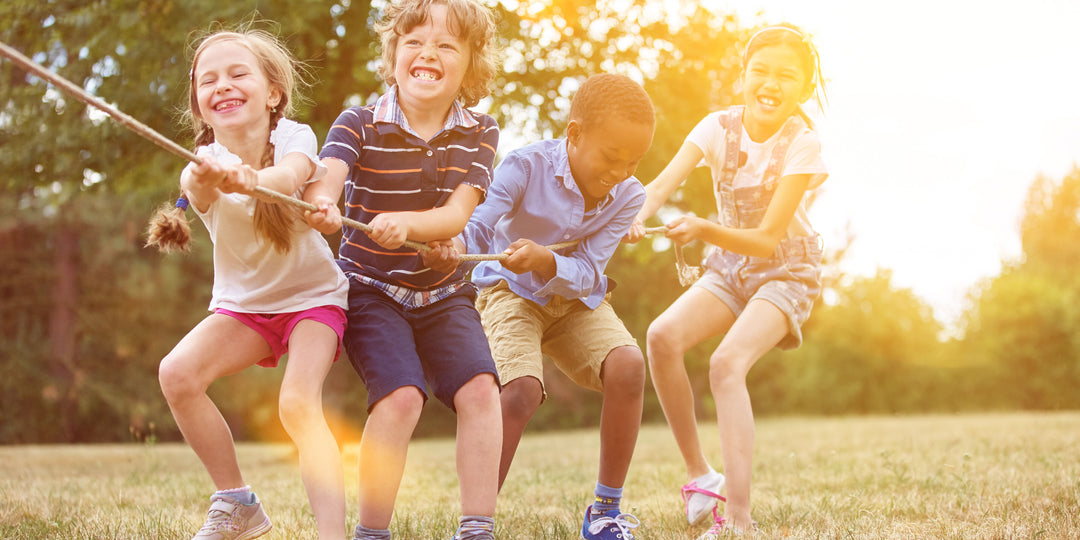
790, 278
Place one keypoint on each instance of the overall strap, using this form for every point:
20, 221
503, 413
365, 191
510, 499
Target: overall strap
732, 124
792, 127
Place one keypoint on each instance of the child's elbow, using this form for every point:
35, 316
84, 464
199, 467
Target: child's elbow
768, 242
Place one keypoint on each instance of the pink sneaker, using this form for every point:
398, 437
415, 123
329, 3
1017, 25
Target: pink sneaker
698, 500
720, 529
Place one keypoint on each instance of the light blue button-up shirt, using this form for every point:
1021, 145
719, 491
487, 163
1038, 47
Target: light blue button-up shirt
533, 195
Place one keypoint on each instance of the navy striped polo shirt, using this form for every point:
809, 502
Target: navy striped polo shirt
394, 170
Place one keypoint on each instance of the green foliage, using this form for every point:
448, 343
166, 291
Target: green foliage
88, 312
1024, 327
869, 351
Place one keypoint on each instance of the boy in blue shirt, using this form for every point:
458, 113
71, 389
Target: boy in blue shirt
538, 302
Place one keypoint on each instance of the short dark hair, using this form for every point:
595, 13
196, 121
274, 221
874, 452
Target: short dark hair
608, 95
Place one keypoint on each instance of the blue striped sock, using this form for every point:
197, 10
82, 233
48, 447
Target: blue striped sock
607, 499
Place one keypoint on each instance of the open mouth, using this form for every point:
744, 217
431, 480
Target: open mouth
228, 105
768, 101
425, 74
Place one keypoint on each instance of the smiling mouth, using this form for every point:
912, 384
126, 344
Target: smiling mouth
768, 101
425, 75
230, 104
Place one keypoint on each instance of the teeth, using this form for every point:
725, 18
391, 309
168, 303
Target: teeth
425, 75
227, 104
771, 102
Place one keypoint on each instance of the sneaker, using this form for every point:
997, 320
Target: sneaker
609, 526
720, 529
480, 535
228, 519
483, 536
699, 499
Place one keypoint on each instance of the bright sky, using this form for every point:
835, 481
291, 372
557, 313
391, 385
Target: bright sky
941, 114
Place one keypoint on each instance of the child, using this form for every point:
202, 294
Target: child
416, 163
276, 288
762, 278
538, 302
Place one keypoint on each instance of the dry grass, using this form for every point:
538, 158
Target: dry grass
970, 476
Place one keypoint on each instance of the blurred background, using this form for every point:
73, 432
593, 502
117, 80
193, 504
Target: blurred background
86, 312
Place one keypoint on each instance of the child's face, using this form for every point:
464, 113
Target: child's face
430, 64
231, 90
773, 87
605, 154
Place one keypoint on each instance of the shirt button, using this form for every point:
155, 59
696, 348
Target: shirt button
566, 237
429, 153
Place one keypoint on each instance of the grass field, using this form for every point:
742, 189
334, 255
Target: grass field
965, 476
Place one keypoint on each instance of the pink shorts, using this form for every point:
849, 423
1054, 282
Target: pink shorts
276, 328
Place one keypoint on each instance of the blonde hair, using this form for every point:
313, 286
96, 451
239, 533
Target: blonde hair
169, 229
469, 20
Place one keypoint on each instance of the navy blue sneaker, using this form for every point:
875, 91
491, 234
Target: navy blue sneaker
608, 526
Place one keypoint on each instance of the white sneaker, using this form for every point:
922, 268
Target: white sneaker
228, 519
701, 495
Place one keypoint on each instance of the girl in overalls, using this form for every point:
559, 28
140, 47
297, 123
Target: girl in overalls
763, 273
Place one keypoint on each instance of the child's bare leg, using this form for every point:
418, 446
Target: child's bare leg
694, 317
312, 346
519, 400
758, 329
382, 453
218, 346
479, 441
623, 376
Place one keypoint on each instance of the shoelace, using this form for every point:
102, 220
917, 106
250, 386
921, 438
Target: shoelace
720, 528
622, 522
717, 526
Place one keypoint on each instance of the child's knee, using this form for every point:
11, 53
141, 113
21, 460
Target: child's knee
660, 338
297, 410
521, 398
479, 393
402, 405
723, 371
176, 380
624, 371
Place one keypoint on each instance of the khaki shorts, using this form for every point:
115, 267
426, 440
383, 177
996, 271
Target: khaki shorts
576, 338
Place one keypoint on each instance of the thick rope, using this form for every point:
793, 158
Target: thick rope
169, 145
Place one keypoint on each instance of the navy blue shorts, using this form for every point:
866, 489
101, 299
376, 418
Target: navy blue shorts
441, 346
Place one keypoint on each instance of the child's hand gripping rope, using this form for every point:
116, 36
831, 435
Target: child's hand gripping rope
157, 138
323, 222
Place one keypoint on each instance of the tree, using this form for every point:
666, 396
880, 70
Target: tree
88, 312
1024, 327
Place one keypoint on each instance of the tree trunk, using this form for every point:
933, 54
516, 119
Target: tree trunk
62, 328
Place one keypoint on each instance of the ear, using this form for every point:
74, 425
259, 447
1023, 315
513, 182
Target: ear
808, 92
573, 132
273, 99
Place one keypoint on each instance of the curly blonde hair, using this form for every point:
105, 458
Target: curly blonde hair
469, 20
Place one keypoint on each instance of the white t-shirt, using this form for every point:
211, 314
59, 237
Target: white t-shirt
803, 157
250, 275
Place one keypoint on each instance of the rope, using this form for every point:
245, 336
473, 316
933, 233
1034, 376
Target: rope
561, 245
169, 145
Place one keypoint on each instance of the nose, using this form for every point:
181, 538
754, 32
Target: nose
428, 51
